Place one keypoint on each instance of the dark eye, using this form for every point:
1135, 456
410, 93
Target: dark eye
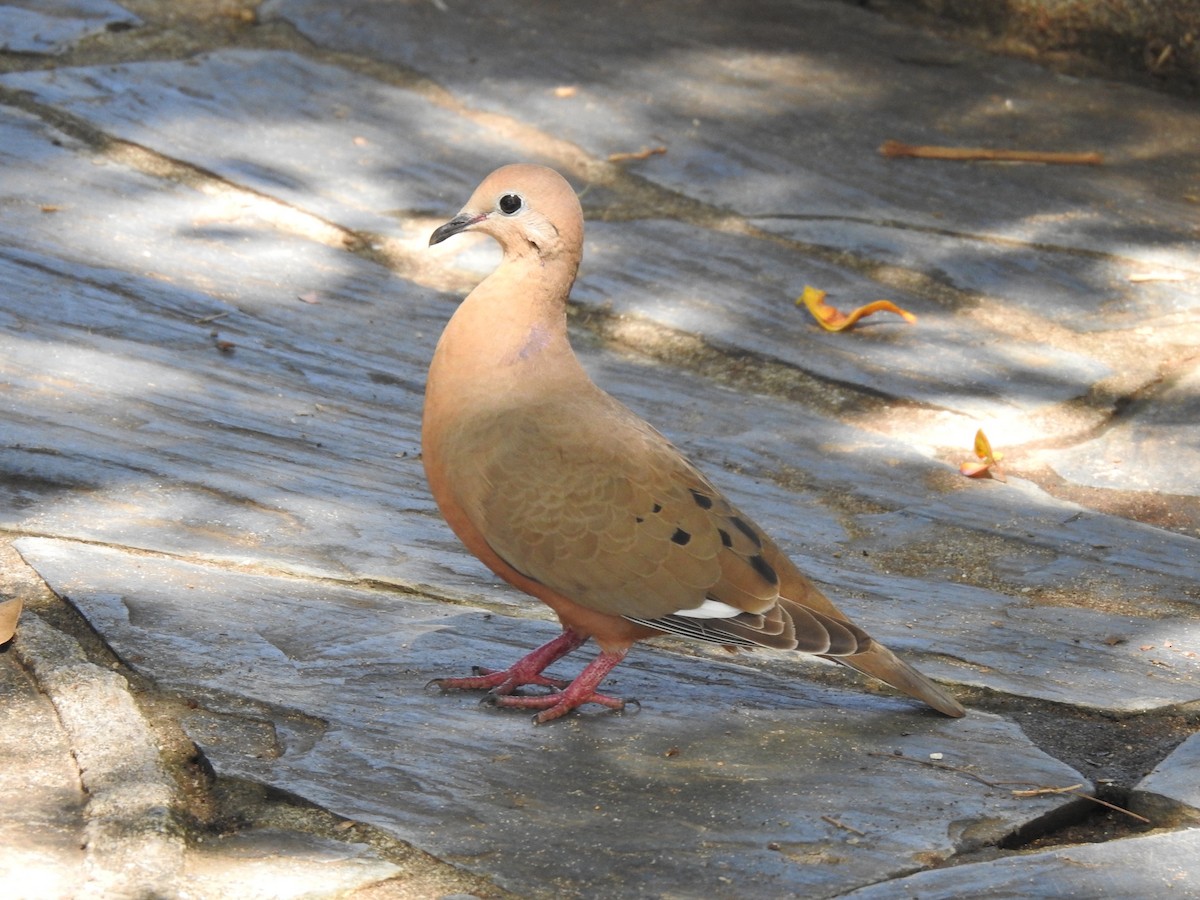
510, 204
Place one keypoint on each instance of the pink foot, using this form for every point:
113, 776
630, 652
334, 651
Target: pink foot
527, 670
580, 691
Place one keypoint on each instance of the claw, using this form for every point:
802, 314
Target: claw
580, 691
527, 670
563, 697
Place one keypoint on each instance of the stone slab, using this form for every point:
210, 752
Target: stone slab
349, 161
1084, 292
41, 798
300, 470
1174, 783
309, 439
782, 112
123, 421
52, 27
740, 292
1152, 865
309, 425
730, 768
274, 864
339, 144
131, 838
1153, 447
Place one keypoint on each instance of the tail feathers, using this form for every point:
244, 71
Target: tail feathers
880, 662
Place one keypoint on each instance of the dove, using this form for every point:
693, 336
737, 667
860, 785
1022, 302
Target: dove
566, 494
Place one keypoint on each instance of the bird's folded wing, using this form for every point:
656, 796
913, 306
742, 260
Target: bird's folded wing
618, 521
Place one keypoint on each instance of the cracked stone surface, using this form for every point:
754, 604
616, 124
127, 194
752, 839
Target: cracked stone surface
218, 312
1148, 866
1173, 787
40, 794
52, 27
711, 757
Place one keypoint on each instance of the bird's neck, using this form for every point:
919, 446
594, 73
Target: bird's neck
509, 333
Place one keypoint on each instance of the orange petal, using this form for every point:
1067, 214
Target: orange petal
990, 460
832, 319
974, 469
827, 317
983, 448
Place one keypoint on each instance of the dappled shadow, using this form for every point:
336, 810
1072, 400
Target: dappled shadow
299, 446
294, 446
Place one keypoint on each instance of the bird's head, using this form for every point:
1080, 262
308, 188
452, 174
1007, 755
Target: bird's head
530, 210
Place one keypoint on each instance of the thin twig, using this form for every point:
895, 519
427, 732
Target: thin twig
1111, 806
894, 149
644, 153
1037, 790
837, 823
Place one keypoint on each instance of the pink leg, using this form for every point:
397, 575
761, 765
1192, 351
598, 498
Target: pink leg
580, 691
527, 670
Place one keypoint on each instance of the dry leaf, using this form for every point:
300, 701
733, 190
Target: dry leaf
644, 153
832, 319
10, 611
989, 460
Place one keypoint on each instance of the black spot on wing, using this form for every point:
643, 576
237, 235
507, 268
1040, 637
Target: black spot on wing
702, 500
764, 569
680, 537
745, 529
726, 540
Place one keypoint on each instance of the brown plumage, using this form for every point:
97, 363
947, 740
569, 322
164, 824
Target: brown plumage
565, 493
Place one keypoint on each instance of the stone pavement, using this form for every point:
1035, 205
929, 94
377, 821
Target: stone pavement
217, 311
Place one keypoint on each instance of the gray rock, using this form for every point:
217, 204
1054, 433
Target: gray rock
1151, 448
273, 864
742, 776
52, 27
782, 112
41, 798
1172, 790
1152, 865
335, 143
199, 376
132, 834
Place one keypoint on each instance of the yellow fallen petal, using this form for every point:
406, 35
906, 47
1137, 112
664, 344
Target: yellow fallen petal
832, 319
989, 460
983, 448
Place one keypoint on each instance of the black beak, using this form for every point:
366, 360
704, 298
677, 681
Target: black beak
461, 222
